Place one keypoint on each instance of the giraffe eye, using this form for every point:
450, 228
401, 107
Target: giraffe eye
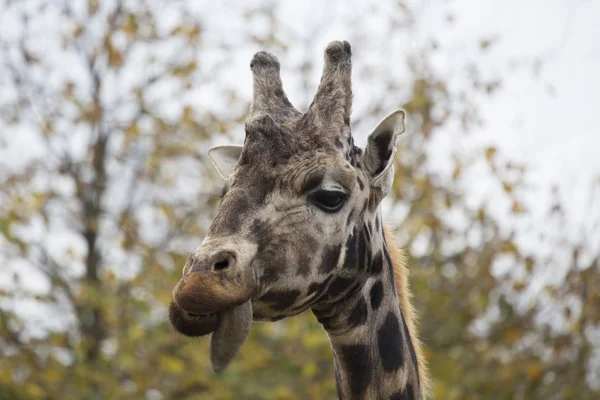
329, 201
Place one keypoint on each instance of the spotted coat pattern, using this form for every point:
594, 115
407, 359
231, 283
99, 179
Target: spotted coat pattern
340, 263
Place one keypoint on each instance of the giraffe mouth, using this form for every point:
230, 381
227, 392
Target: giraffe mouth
229, 328
192, 324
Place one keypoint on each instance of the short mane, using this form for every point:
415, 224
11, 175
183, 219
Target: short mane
401, 274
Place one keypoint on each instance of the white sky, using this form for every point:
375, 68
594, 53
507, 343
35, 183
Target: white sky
548, 122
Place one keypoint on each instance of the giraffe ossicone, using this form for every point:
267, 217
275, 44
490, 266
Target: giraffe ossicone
299, 227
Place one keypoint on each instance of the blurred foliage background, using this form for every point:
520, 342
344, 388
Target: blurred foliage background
106, 112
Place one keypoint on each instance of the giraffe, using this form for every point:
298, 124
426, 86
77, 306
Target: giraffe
299, 227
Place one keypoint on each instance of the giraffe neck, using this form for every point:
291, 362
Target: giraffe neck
373, 353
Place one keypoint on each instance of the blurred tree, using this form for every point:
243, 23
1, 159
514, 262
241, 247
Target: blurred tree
106, 112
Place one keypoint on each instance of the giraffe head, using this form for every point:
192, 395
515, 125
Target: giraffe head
295, 192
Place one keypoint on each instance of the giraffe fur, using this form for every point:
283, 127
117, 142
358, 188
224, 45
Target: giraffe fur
299, 228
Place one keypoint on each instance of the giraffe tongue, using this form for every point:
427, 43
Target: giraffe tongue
226, 341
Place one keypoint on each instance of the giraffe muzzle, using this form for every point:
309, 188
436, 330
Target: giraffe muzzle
208, 302
216, 278
200, 297
215, 296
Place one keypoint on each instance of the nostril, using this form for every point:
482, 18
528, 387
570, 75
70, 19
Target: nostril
223, 261
221, 265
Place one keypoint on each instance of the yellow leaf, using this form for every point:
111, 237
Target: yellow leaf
513, 335
33, 390
130, 26
309, 369
283, 393
171, 364
47, 128
39, 199
533, 372
92, 7
168, 211
131, 132
115, 58
480, 214
507, 187
457, 171
187, 116
517, 208
185, 69
509, 247
78, 31
490, 152
519, 286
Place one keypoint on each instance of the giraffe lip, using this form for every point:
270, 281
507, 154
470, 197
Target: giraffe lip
203, 293
192, 324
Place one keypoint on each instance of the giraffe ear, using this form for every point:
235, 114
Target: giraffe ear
225, 158
379, 154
